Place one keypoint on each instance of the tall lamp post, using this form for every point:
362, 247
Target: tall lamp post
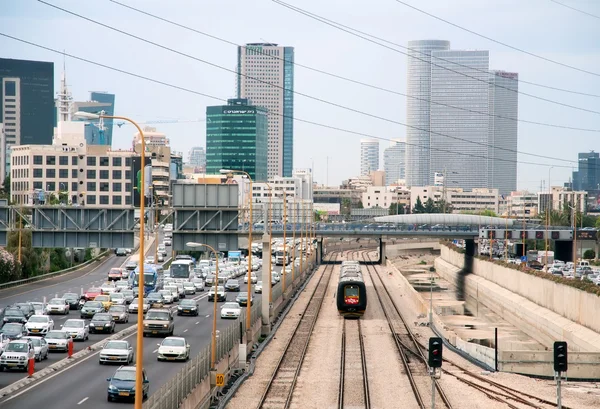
293, 237
139, 356
249, 304
213, 349
270, 217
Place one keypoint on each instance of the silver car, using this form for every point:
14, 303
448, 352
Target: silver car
77, 329
167, 295
40, 346
119, 313
116, 352
189, 288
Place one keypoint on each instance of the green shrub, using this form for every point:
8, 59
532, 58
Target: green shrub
589, 254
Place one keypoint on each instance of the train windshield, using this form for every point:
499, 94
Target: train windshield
351, 294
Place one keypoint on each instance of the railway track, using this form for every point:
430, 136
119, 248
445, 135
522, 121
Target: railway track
279, 390
354, 379
409, 350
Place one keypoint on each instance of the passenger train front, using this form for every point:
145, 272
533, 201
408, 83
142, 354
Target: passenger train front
351, 291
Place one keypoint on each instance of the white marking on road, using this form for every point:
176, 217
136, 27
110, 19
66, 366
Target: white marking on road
197, 322
82, 400
207, 316
185, 330
155, 351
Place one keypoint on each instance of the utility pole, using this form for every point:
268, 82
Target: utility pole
444, 192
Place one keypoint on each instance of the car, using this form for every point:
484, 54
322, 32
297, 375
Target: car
125, 274
73, 300
108, 288
242, 299
122, 285
188, 307
117, 299
189, 288
39, 325
105, 300
258, 288
133, 306
17, 355
90, 308
128, 296
156, 300
57, 306
40, 346
159, 322
162, 249
39, 308
26, 307
198, 283
167, 242
232, 285
209, 280
13, 330
276, 276
92, 293
174, 291
253, 279
116, 352
173, 349
180, 289
77, 329
167, 295
120, 252
115, 274
119, 313
13, 314
149, 260
160, 258
102, 322
220, 294
58, 340
231, 310
131, 265
121, 386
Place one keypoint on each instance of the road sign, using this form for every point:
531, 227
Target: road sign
220, 379
222, 246
524, 259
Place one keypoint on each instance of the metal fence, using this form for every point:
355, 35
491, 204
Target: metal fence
177, 389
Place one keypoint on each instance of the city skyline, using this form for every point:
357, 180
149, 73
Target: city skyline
572, 46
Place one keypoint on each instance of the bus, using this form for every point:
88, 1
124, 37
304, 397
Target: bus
152, 278
280, 260
182, 270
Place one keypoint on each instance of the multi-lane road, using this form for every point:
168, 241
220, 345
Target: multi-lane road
84, 383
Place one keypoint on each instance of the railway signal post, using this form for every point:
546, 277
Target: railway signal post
434, 361
560, 366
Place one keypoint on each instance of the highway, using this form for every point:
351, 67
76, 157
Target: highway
89, 276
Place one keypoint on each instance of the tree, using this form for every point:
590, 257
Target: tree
418, 207
589, 254
5, 191
443, 206
359, 205
32, 259
345, 206
430, 206
397, 208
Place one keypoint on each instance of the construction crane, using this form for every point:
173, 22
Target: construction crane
162, 121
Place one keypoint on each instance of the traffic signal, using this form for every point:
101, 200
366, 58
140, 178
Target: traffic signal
560, 356
435, 352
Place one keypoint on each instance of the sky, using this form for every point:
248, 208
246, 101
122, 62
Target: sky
541, 27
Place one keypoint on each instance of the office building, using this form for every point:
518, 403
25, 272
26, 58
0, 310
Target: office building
236, 138
369, 156
99, 101
521, 205
266, 79
394, 160
306, 178
418, 109
587, 175
197, 157
379, 196
26, 105
502, 136
459, 200
159, 152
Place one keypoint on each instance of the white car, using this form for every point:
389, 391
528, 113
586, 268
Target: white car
39, 308
258, 288
122, 285
108, 288
57, 306
174, 291
253, 279
128, 296
40, 347
189, 288
77, 329
167, 242
167, 295
173, 349
160, 258
162, 250
17, 355
133, 306
149, 260
198, 283
58, 340
39, 325
125, 274
117, 299
116, 352
231, 310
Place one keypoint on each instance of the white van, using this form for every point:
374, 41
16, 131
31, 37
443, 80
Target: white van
583, 263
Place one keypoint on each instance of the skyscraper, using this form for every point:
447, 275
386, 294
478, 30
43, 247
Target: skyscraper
418, 109
459, 79
394, 163
587, 175
197, 157
259, 65
26, 105
99, 101
504, 110
369, 156
236, 138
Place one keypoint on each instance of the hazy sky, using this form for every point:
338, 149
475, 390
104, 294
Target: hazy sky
539, 26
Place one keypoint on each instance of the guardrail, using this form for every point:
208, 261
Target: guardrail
54, 274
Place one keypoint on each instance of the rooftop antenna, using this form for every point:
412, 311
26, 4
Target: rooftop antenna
64, 99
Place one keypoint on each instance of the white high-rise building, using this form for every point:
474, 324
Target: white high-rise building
266, 79
369, 156
418, 109
197, 157
503, 108
394, 163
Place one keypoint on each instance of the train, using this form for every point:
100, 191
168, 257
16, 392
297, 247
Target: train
351, 292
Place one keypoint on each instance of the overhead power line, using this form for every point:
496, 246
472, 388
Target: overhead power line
575, 9
331, 127
353, 110
521, 50
353, 81
364, 36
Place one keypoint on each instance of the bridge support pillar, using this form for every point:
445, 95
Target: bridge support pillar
470, 253
266, 279
319, 250
382, 250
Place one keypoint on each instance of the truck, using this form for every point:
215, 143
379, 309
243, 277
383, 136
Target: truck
159, 321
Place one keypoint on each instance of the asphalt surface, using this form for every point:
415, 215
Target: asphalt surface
93, 275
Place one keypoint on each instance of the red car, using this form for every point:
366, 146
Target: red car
92, 293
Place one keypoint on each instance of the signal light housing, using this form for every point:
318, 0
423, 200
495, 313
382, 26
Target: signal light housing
435, 352
560, 356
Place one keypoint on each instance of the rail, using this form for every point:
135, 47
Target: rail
353, 354
279, 390
401, 343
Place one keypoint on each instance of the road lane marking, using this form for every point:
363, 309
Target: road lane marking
82, 400
207, 316
155, 351
197, 322
185, 330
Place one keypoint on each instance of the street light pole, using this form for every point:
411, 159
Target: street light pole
548, 210
302, 227
284, 240
139, 356
293, 237
270, 216
213, 349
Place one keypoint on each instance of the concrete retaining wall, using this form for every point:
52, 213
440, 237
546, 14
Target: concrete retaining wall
582, 365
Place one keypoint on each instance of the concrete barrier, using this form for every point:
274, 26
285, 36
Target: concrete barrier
582, 365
